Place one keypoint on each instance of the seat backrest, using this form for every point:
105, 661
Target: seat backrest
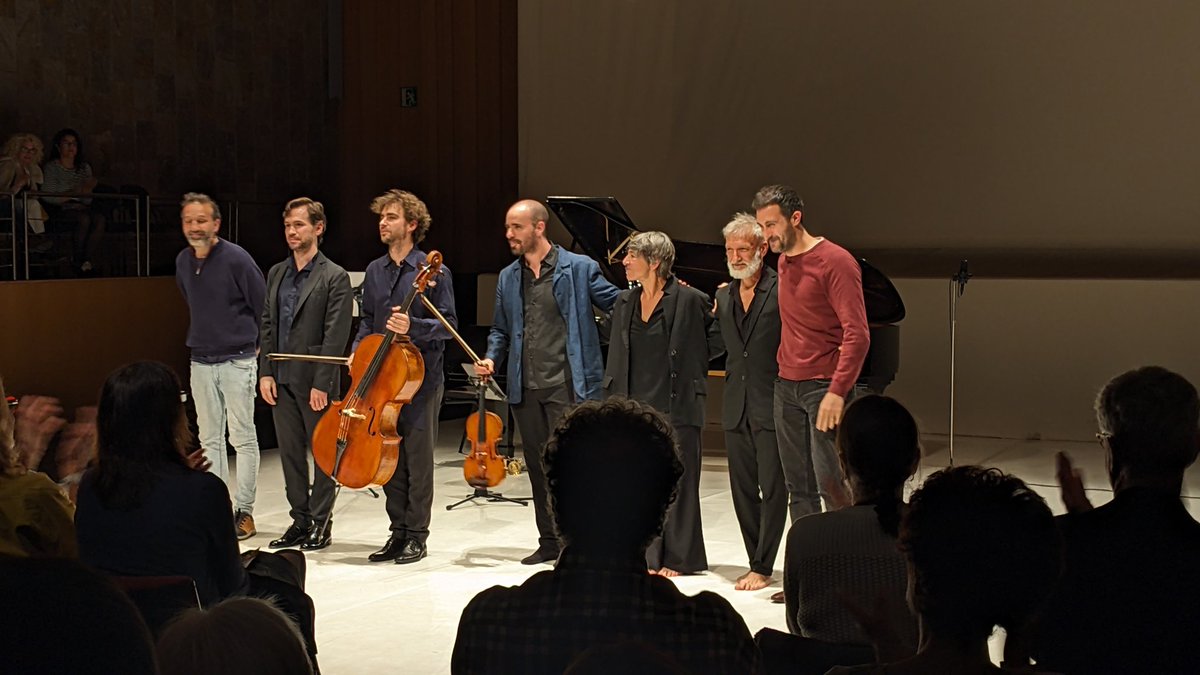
160, 599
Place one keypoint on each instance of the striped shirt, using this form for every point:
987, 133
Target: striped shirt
61, 179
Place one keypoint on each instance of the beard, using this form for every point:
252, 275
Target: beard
749, 270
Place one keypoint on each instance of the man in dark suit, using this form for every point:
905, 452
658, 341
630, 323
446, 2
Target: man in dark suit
308, 311
748, 315
663, 318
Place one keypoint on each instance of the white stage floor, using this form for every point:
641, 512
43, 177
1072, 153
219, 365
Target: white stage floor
403, 618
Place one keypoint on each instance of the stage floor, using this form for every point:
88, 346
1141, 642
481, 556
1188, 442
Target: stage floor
403, 618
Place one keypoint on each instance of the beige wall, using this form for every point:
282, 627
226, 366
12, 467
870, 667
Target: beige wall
931, 125
1031, 354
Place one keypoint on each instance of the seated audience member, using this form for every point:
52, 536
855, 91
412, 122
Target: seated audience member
850, 555
68, 172
60, 617
20, 170
982, 551
147, 509
633, 657
35, 514
600, 592
238, 636
1129, 598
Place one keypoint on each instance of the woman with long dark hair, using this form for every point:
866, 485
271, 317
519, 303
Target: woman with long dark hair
142, 510
148, 509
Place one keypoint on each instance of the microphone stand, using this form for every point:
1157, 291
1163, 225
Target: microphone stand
958, 284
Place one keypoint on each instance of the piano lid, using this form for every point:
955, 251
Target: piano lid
600, 228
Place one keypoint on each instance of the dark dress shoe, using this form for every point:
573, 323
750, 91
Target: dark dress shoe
413, 551
294, 536
778, 598
390, 551
315, 540
540, 556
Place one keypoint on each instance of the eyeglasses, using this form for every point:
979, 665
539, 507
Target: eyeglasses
1103, 436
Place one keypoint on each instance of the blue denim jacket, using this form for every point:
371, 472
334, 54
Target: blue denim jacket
578, 285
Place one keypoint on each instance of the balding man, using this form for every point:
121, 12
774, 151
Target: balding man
544, 323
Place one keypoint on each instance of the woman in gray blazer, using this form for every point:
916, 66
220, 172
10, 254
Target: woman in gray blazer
663, 336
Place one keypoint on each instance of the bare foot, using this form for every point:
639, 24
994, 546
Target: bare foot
668, 572
752, 581
652, 571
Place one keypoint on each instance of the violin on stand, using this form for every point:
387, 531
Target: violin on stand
484, 467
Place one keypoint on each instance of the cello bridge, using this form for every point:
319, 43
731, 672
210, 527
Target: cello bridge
351, 412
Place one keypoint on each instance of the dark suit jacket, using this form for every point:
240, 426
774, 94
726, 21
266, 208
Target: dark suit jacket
321, 325
694, 341
750, 364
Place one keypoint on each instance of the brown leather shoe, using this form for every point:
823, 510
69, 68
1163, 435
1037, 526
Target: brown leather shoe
778, 598
243, 525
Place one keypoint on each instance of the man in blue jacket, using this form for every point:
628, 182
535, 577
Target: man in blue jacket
544, 323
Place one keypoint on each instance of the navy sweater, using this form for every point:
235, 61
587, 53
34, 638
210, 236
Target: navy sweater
225, 293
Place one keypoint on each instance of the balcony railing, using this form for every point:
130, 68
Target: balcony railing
142, 234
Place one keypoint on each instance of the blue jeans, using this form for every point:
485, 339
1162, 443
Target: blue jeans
810, 464
224, 395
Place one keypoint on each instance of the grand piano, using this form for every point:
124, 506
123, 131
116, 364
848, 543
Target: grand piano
600, 228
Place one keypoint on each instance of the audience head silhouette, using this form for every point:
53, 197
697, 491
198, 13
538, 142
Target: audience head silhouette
591, 442
879, 448
140, 423
982, 551
65, 618
1148, 420
247, 636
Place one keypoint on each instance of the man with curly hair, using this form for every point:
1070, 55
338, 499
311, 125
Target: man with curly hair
403, 222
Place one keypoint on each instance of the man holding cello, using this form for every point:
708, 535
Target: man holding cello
403, 222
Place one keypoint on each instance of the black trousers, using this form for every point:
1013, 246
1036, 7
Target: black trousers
760, 496
536, 415
309, 491
410, 491
681, 546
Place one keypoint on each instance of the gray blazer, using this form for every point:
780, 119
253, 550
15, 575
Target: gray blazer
694, 341
321, 325
751, 367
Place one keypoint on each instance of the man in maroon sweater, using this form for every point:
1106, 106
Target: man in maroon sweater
821, 349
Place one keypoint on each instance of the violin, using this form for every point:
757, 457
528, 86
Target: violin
484, 467
356, 441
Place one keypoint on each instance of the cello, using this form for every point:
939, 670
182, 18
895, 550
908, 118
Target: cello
356, 442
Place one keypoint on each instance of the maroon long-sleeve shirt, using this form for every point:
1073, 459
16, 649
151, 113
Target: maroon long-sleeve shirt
825, 334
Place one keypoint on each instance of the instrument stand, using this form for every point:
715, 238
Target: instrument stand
484, 493
958, 283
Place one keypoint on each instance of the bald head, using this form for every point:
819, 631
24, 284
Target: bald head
525, 228
530, 208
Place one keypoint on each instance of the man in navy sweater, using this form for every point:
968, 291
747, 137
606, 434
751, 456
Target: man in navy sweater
403, 222
224, 290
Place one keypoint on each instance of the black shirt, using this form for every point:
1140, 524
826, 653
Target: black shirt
545, 340
182, 527
649, 368
741, 315
289, 295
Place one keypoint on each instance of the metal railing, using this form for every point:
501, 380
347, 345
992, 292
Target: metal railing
154, 219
